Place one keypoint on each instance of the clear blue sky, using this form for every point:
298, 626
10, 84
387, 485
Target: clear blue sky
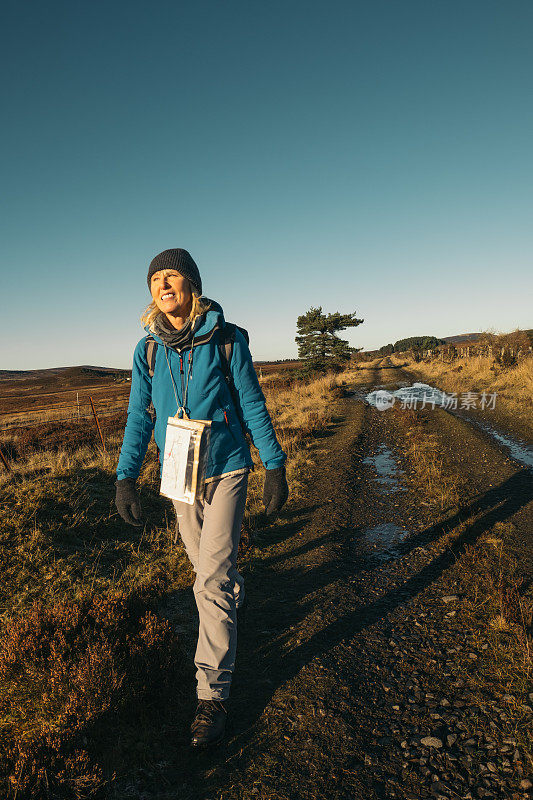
373, 157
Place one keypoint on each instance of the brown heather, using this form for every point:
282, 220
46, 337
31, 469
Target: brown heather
62, 669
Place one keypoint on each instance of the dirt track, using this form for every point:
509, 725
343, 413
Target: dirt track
361, 640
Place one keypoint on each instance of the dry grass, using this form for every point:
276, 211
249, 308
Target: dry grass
492, 578
362, 366
439, 488
65, 555
300, 409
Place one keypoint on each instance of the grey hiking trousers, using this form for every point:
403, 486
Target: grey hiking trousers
210, 530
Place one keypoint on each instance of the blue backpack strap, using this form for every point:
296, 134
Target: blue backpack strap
150, 349
244, 333
225, 346
226, 339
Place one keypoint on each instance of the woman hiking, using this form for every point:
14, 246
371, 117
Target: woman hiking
190, 374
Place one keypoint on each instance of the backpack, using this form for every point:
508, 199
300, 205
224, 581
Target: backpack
226, 340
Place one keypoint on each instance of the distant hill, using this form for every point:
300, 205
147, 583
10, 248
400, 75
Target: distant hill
425, 343
16, 384
85, 369
462, 337
519, 337
281, 362
67, 376
72, 376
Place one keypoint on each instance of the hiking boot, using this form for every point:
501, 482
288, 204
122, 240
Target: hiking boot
209, 723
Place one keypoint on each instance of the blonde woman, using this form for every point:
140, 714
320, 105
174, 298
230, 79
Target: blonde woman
192, 373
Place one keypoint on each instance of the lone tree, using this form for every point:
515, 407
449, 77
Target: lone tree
319, 348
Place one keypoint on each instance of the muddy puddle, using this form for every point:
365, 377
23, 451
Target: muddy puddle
417, 395
382, 542
387, 472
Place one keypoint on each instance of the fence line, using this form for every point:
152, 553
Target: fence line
451, 352
67, 417
46, 410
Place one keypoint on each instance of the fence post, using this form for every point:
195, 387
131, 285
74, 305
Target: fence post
78, 404
97, 422
5, 462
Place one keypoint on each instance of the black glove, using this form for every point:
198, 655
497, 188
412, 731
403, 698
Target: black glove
127, 502
275, 491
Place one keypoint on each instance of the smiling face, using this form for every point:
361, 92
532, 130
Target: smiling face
171, 293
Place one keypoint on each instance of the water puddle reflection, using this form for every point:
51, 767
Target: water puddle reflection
409, 396
387, 471
382, 542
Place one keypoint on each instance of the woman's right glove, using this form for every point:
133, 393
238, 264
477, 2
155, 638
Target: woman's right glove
275, 491
127, 501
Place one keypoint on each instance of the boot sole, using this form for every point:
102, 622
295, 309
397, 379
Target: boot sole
205, 745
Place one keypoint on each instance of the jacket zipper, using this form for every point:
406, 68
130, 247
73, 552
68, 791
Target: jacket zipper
228, 426
182, 381
224, 411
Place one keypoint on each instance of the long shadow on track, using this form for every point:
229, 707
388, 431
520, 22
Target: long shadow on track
271, 667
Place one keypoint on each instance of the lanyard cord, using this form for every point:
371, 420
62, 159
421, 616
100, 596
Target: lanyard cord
184, 389
172, 377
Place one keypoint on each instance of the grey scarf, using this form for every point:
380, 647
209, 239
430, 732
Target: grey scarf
174, 337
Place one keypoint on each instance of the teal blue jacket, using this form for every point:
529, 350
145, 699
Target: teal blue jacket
208, 398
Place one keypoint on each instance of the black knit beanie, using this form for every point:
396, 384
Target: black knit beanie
182, 262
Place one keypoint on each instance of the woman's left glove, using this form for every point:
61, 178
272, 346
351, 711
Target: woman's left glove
275, 491
127, 501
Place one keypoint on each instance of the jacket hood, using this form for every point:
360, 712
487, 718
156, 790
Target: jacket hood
204, 325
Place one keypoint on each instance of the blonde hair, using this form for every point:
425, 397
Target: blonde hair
199, 305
